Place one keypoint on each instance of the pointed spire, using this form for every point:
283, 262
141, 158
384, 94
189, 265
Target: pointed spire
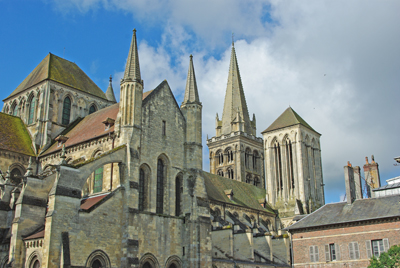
132, 69
235, 101
110, 92
191, 92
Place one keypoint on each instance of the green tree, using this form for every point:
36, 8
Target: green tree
388, 259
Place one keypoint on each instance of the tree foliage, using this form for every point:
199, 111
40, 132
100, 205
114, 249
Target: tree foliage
388, 259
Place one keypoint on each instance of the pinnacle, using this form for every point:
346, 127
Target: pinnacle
132, 69
191, 91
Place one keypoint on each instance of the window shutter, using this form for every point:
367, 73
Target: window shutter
356, 251
351, 251
386, 244
316, 254
368, 247
312, 253
327, 255
337, 249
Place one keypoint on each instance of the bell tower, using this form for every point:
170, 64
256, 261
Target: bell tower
235, 151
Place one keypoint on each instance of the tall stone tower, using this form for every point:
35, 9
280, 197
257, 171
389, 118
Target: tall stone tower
191, 108
130, 106
235, 151
293, 165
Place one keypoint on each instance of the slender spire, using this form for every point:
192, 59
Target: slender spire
191, 92
235, 101
110, 92
132, 70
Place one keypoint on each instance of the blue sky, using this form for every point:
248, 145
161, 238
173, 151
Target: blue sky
336, 63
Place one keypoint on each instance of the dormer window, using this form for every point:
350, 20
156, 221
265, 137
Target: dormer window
61, 139
109, 122
229, 193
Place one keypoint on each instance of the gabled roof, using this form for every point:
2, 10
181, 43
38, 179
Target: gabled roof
62, 71
244, 194
359, 210
14, 136
288, 118
90, 127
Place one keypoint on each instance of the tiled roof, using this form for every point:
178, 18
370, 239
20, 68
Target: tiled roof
90, 127
288, 118
14, 136
359, 210
62, 71
34, 236
244, 194
88, 203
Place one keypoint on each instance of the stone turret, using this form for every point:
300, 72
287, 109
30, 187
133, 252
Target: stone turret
110, 92
191, 108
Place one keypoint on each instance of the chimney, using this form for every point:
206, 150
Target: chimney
353, 183
371, 174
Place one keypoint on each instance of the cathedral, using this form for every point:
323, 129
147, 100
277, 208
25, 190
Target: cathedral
89, 182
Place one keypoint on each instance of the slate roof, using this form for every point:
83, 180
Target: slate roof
62, 71
387, 187
89, 127
14, 136
359, 210
288, 118
244, 194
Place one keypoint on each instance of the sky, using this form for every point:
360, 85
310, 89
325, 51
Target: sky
336, 63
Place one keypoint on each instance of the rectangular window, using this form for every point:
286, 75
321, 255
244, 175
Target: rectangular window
314, 255
376, 247
164, 128
332, 252
354, 251
98, 180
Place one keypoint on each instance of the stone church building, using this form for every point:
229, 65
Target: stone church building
89, 182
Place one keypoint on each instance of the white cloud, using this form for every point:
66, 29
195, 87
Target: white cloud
335, 62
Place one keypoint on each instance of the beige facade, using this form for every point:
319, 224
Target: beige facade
293, 166
124, 186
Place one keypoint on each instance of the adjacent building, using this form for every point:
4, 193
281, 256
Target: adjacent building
348, 234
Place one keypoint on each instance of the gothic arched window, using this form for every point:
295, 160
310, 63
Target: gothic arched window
92, 109
66, 112
141, 189
31, 110
14, 110
98, 180
229, 155
248, 178
255, 156
278, 166
256, 181
220, 156
230, 173
178, 195
220, 173
289, 163
16, 175
247, 158
160, 186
